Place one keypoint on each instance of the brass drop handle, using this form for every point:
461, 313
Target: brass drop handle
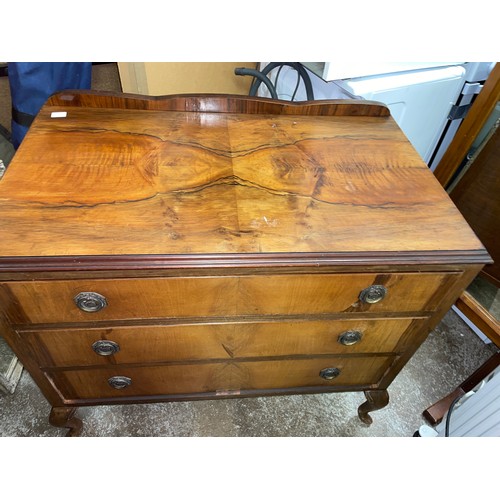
350, 337
329, 373
373, 294
119, 382
90, 301
105, 347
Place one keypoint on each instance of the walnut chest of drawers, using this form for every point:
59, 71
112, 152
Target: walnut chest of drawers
188, 247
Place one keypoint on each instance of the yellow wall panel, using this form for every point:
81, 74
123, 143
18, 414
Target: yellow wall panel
157, 78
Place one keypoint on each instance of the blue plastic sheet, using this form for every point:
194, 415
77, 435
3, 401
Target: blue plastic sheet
32, 83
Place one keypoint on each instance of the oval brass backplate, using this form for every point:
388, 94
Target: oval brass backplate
329, 373
105, 347
350, 337
373, 294
90, 301
119, 382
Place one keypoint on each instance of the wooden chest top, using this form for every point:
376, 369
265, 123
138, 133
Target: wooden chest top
138, 178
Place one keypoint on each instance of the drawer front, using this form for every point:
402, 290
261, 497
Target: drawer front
54, 301
150, 344
218, 377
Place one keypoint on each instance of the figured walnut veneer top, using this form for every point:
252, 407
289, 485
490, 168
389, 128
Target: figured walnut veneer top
106, 181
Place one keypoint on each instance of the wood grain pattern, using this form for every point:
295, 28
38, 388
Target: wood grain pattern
124, 266
212, 377
148, 182
216, 103
223, 341
231, 238
52, 301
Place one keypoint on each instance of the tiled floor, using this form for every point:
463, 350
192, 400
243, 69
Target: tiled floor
450, 354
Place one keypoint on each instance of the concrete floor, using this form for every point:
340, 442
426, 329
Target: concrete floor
451, 353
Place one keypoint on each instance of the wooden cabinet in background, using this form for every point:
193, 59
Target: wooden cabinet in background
477, 196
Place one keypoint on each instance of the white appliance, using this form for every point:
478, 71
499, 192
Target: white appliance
428, 100
419, 100
475, 414
478, 413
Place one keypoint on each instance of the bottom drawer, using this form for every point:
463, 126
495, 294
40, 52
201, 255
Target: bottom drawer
219, 377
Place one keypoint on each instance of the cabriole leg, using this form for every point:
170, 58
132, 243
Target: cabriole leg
375, 400
61, 416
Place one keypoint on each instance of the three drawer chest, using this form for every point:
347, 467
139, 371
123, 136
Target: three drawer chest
213, 246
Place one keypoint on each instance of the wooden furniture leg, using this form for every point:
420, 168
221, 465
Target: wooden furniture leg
435, 413
64, 417
375, 400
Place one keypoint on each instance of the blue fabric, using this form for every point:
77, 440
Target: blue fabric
31, 84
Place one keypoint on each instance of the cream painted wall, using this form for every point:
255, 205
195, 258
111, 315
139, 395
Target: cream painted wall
184, 78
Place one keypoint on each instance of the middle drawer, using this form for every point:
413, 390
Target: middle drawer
150, 344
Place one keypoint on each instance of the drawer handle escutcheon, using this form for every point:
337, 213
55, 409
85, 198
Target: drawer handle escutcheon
350, 337
119, 382
90, 301
373, 294
329, 373
105, 347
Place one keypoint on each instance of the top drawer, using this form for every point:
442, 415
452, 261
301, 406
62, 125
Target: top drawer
57, 301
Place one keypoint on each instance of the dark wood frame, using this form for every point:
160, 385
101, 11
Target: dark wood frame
435, 413
470, 128
470, 307
217, 103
